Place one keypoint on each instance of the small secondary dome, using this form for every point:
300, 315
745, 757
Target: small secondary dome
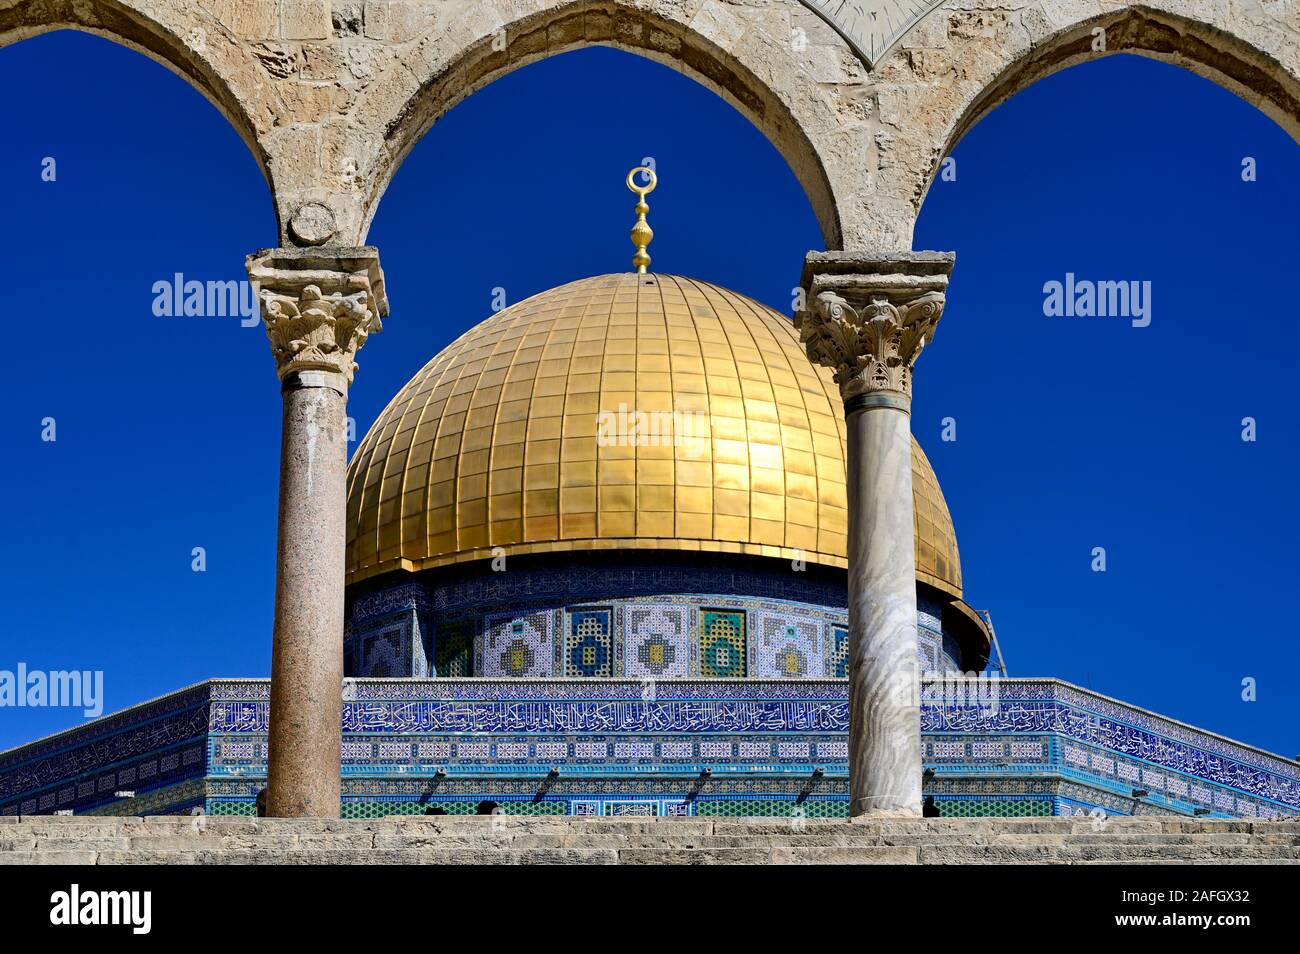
625, 411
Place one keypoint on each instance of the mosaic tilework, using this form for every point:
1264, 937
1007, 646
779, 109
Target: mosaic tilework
722, 643
731, 797
927, 653
148, 748
381, 809
928, 616
630, 808
675, 619
454, 649
186, 798
951, 650
781, 647
387, 635
589, 641
381, 654
932, 653
783, 808
464, 591
1211, 767
967, 807
1035, 741
837, 654
649, 801
517, 646
390, 600
659, 641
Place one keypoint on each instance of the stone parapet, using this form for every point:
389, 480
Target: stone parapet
499, 839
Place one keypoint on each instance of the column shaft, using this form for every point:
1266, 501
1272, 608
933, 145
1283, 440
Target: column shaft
319, 306
307, 654
884, 714
867, 318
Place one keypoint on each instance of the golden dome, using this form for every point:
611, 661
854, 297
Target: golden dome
518, 435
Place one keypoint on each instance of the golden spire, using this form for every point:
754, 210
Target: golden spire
641, 232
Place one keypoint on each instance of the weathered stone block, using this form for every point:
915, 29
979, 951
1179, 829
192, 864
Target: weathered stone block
250, 21
718, 24
347, 17
296, 158
305, 19
562, 840
47, 857
845, 856
378, 19
323, 61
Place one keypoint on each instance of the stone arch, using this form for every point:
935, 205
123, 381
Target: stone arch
745, 54
1257, 58
191, 40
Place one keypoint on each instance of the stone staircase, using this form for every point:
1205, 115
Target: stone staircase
504, 839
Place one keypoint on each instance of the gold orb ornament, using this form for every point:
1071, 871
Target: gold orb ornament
641, 231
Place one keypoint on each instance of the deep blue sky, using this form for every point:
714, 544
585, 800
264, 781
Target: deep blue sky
1072, 433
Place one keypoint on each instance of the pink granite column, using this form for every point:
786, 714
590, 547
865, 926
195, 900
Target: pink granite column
307, 647
318, 307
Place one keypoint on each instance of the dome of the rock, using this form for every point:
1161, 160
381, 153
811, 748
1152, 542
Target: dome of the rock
658, 428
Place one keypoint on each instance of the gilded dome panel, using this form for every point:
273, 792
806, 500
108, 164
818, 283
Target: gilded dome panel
619, 412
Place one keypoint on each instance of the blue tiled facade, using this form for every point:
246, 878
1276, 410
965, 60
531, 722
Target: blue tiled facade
623, 687
638, 621
619, 746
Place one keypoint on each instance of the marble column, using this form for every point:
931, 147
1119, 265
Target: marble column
318, 306
867, 318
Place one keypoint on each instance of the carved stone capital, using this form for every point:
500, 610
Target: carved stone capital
318, 307
867, 318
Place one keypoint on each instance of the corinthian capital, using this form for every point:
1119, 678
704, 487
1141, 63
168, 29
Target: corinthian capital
868, 318
318, 307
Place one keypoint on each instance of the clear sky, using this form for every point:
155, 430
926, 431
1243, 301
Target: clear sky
1072, 433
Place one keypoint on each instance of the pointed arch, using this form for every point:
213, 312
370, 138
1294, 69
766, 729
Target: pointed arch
186, 38
1257, 60
751, 63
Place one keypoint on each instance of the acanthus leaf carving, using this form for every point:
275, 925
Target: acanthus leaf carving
872, 347
318, 331
319, 306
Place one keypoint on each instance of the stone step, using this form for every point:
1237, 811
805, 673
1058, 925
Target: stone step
48, 857
486, 855
317, 856
515, 840
1283, 845
958, 853
1147, 838
926, 854
559, 840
